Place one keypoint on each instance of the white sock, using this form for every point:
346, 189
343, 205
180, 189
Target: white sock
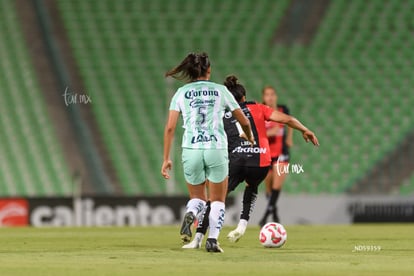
199, 236
216, 219
242, 225
195, 206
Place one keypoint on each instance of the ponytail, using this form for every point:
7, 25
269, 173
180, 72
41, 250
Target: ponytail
235, 88
191, 68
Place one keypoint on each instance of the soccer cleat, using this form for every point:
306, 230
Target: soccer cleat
195, 244
185, 231
213, 246
236, 234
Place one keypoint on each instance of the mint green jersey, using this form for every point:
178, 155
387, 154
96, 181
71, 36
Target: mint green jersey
202, 105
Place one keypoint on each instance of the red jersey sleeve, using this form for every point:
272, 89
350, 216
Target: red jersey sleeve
267, 111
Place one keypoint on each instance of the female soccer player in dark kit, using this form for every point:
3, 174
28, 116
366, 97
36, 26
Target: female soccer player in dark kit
280, 140
247, 163
202, 104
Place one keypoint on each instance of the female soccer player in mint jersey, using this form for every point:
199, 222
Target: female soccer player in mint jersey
248, 164
280, 140
202, 104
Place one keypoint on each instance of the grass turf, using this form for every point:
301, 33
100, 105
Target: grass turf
156, 251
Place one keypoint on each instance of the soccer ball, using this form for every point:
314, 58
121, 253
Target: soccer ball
273, 234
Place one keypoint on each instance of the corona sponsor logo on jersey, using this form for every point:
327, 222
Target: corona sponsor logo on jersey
196, 93
249, 150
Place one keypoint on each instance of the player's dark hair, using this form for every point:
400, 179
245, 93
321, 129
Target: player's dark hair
235, 87
191, 68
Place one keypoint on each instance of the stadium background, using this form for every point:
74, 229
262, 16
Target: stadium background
343, 67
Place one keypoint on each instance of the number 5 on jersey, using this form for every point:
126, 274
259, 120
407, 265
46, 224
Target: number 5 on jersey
202, 115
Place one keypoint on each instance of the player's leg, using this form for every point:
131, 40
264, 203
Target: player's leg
254, 176
194, 207
269, 184
276, 188
195, 177
271, 208
269, 191
201, 230
236, 176
204, 223
218, 192
278, 180
216, 162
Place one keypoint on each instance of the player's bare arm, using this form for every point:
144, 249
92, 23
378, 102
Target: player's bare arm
296, 124
168, 137
245, 124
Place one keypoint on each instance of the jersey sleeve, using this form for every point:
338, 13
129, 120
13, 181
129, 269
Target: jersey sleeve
267, 111
229, 101
174, 105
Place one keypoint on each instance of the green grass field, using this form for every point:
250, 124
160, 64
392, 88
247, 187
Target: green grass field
156, 251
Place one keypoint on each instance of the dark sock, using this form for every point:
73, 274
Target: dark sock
249, 201
271, 206
273, 202
273, 199
275, 216
203, 224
